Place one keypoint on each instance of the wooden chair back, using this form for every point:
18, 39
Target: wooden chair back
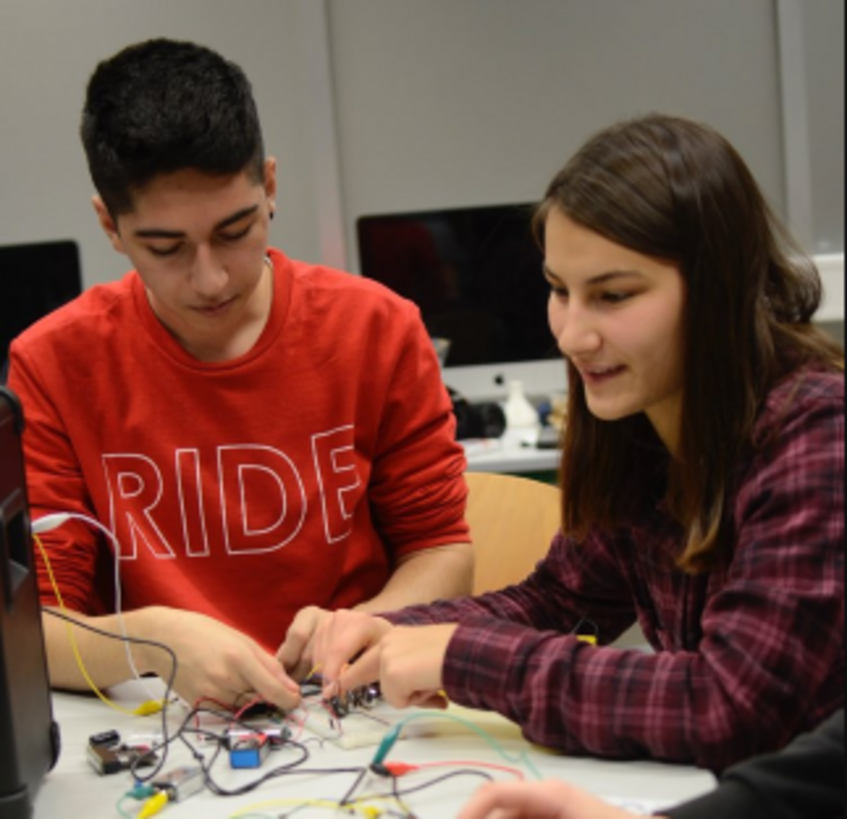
512, 521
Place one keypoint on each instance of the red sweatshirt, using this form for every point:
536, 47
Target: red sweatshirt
293, 475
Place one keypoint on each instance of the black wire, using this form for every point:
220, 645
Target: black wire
289, 769
397, 793
283, 770
346, 798
275, 774
163, 746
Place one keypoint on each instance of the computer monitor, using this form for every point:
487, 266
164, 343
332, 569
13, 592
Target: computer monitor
475, 274
35, 279
29, 737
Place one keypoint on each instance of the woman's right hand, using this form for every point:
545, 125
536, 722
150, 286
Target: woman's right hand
537, 800
336, 640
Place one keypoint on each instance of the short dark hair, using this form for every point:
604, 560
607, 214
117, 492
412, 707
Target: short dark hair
162, 106
675, 189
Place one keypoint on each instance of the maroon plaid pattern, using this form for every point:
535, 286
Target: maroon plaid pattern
745, 657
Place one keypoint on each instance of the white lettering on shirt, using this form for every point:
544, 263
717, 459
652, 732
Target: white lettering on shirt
241, 469
135, 489
334, 452
254, 496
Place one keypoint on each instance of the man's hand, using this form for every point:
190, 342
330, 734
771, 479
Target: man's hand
327, 641
352, 649
537, 800
216, 661
296, 654
213, 660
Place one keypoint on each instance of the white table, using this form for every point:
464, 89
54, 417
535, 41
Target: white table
514, 452
73, 789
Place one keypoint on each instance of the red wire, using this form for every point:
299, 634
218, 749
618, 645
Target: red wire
516, 772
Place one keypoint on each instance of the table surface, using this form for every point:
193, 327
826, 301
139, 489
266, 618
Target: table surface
514, 452
73, 788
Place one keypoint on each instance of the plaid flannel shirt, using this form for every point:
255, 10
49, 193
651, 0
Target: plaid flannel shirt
745, 657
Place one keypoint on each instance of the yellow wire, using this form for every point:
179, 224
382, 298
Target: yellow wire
326, 804
367, 811
144, 708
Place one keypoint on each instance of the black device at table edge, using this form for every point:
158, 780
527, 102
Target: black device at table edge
29, 736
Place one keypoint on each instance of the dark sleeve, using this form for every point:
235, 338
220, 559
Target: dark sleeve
803, 781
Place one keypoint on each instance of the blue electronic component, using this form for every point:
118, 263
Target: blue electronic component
249, 751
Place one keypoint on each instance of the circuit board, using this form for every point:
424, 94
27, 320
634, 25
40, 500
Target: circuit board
359, 727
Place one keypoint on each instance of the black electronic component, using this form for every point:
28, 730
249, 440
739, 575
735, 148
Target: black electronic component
362, 698
113, 760
106, 738
258, 709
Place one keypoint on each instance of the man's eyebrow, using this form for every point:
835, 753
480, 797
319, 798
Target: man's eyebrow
237, 217
601, 278
161, 233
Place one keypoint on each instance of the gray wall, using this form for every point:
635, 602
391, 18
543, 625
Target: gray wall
48, 49
469, 102
823, 49
382, 105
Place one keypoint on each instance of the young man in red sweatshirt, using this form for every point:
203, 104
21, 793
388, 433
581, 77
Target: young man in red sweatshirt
260, 434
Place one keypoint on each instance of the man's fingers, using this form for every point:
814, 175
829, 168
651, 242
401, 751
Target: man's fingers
295, 651
270, 681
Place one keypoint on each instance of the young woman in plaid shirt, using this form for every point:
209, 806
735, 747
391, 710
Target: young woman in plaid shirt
702, 482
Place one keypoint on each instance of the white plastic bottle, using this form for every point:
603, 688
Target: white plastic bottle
520, 414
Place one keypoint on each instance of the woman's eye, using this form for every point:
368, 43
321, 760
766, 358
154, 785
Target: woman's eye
616, 298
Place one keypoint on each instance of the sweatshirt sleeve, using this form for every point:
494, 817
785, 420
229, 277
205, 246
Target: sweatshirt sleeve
770, 650
803, 780
417, 488
54, 484
572, 587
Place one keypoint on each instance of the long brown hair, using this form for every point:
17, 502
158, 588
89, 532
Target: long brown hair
675, 189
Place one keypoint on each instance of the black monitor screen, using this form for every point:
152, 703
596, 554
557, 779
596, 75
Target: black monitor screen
475, 274
34, 280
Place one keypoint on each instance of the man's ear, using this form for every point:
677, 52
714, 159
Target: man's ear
110, 227
270, 181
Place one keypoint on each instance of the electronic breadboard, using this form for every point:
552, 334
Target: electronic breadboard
360, 727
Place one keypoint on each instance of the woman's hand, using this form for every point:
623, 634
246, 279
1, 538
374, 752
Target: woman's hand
537, 800
353, 649
409, 662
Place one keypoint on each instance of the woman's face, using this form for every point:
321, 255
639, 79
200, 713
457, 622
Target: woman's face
617, 315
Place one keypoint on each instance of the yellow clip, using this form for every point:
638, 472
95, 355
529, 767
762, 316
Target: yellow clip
148, 708
587, 638
153, 805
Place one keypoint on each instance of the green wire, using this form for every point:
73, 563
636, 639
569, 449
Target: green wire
521, 758
120, 809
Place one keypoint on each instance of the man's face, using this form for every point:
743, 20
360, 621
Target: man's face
198, 243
